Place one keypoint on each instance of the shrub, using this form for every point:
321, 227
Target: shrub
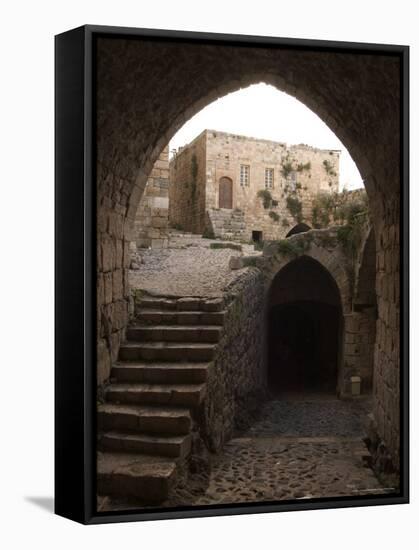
287, 247
274, 216
328, 166
295, 208
286, 169
301, 166
266, 197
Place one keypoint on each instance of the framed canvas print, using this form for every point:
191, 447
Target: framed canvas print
231, 274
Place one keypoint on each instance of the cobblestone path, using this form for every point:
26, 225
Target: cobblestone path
296, 450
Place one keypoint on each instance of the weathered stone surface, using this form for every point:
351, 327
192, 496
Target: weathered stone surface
145, 419
133, 129
143, 477
236, 262
152, 216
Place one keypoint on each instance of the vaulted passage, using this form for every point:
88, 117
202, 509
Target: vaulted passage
305, 321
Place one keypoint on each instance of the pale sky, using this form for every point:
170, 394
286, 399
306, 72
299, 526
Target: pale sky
264, 112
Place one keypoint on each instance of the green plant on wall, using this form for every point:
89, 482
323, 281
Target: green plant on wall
337, 207
301, 166
274, 216
266, 197
350, 234
328, 166
288, 247
285, 223
295, 208
286, 169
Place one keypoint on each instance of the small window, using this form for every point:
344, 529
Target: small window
244, 175
257, 236
269, 178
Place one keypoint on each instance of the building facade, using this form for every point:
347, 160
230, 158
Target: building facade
235, 186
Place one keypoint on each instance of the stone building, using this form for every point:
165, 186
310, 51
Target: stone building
242, 187
151, 220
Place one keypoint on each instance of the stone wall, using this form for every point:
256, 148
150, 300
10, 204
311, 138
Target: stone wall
152, 216
225, 223
187, 188
387, 349
358, 352
237, 383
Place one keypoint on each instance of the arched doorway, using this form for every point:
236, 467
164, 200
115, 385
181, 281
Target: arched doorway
299, 228
225, 193
305, 324
172, 82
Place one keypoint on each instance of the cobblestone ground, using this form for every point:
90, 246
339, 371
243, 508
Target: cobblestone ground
296, 450
189, 267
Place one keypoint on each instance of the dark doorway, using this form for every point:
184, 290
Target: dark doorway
304, 329
257, 236
225, 197
299, 228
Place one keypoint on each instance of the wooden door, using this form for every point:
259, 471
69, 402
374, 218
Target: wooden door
225, 195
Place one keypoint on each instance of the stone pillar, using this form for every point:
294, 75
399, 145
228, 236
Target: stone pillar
386, 388
152, 217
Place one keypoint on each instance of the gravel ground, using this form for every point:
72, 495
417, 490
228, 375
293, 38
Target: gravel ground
189, 267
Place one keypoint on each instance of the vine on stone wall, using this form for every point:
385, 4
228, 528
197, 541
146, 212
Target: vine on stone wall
294, 248
329, 167
266, 197
337, 208
295, 207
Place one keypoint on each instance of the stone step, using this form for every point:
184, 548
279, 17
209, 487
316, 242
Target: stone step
187, 303
164, 304
144, 419
166, 351
183, 395
161, 373
174, 333
162, 317
147, 478
171, 446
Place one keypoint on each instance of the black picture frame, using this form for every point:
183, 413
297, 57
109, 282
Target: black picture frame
75, 275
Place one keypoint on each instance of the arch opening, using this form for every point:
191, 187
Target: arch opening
299, 228
304, 329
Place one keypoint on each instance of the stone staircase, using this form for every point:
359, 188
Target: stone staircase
225, 223
157, 386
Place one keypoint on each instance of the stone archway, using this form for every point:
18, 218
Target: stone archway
305, 329
299, 228
147, 89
